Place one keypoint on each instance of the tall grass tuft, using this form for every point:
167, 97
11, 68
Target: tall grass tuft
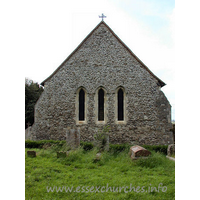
156, 159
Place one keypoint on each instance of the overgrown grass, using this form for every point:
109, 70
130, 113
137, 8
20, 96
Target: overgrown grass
116, 169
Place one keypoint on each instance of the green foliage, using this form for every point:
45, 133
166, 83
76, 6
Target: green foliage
101, 137
102, 133
87, 146
39, 144
154, 160
56, 144
117, 148
79, 169
157, 148
32, 94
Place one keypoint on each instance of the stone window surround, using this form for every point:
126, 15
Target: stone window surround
105, 106
116, 106
77, 106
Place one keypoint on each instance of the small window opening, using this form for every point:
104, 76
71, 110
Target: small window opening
120, 105
101, 105
81, 105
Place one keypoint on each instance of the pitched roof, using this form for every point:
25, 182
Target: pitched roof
160, 82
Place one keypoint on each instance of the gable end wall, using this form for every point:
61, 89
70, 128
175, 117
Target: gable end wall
102, 61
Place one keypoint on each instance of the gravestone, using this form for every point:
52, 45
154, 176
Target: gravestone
31, 153
73, 137
28, 133
171, 150
138, 152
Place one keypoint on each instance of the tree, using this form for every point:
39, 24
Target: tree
32, 94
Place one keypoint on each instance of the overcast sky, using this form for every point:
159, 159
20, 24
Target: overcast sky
51, 30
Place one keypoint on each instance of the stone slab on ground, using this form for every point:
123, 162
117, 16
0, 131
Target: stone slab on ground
170, 158
31, 153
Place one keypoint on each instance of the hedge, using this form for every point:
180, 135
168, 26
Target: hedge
157, 148
39, 144
117, 148
87, 146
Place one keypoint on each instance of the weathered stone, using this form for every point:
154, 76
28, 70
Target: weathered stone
28, 133
171, 150
98, 156
170, 158
138, 151
102, 60
31, 153
73, 137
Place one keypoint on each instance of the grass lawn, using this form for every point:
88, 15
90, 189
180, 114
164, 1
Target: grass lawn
95, 180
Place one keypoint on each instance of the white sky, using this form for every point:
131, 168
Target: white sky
48, 31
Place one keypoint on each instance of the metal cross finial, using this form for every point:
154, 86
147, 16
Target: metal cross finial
102, 16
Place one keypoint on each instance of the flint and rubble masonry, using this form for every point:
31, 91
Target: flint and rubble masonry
103, 61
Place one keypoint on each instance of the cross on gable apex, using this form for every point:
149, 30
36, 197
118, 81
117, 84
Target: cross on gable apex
102, 16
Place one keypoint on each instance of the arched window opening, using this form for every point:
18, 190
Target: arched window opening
101, 105
120, 105
81, 105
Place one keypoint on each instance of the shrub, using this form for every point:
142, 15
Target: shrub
117, 148
87, 146
157, 148
39, 144
55, 144
101, 139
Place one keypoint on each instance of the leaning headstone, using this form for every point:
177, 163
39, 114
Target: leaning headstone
31, 153
28, 133
138, 152
73, 138
171, 150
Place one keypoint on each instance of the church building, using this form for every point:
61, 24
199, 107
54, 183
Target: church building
102, 82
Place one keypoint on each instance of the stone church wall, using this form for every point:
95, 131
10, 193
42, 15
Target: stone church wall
102, 61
